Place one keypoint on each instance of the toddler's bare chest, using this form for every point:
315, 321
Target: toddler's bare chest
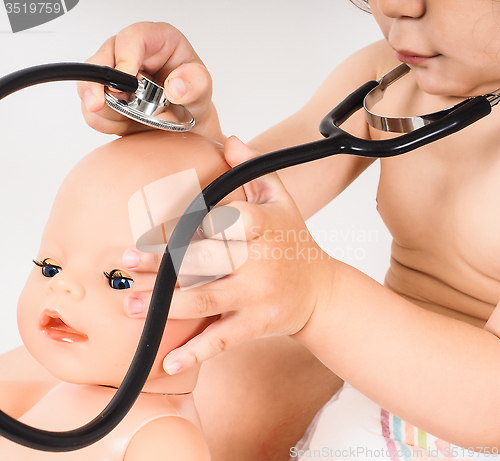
442, 206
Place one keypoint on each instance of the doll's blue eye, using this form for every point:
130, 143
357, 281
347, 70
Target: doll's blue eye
118, 281
48, 269
121, 284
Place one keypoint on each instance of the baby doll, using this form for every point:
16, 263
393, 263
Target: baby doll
71, 314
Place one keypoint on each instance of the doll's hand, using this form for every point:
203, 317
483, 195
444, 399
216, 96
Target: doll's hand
161, 51
286, 279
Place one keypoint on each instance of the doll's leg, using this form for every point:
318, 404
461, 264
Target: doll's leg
256, 401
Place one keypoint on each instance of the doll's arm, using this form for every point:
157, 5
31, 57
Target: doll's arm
17, 397
170, 438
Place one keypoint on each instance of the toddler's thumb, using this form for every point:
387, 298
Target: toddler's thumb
267, 188
217, 337
236, 152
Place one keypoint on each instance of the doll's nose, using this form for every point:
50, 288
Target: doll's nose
402, 8
64, 283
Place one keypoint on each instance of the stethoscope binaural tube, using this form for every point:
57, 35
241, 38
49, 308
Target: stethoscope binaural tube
72, 71
337, 142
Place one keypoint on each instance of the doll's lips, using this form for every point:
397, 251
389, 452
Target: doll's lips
55, 327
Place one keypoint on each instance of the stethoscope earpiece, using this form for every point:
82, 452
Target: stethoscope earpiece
406, 124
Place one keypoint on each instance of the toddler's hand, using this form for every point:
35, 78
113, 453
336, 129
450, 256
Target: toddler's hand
161, 51
275, 292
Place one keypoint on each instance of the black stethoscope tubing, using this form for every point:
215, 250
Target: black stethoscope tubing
336, 142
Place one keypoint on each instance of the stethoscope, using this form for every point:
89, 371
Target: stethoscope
145, 101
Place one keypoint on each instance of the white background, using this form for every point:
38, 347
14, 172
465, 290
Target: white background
266, 58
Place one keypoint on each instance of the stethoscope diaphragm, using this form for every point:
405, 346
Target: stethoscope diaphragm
147, 103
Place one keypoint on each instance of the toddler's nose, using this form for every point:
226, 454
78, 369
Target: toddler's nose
402, 8
64, 283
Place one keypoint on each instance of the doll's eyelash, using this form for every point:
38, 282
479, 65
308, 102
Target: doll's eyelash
118, 280
44, 263
113, 274
49, 269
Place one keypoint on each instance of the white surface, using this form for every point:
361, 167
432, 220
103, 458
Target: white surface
266, 58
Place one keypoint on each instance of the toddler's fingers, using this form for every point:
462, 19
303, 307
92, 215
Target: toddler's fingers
200, 303
190, 84
92, 94
213, 257
205, 301
236, 152
203, 258
138, 261
237, 214
136, 305
217, 337
106, 120
130, 48
155, 47
267, 188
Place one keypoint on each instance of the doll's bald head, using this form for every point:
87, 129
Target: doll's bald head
70, 313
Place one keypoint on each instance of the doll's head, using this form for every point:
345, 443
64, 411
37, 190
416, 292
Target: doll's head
70, 313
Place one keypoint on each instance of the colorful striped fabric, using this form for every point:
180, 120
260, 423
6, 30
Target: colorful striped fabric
406, 442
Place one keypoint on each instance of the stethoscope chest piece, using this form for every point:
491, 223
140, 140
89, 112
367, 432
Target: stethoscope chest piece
147, 103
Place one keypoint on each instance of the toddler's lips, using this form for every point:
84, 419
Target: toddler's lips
409, 57
55, 327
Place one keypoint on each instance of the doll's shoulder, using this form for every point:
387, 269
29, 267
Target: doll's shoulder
23, 382
18, 397
168, 438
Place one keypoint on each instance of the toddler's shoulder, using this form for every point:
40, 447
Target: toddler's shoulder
369, 63
372, 61
170, 437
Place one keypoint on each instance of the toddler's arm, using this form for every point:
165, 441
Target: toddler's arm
438, 373
313, 185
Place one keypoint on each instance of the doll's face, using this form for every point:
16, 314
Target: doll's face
70, 313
